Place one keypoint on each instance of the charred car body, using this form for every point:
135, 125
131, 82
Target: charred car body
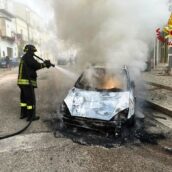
100, 99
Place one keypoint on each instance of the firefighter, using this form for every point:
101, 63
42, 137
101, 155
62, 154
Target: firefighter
27, 82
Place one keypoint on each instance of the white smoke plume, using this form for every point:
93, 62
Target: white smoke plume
111, 32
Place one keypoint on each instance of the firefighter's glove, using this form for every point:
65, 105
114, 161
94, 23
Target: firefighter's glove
47, 63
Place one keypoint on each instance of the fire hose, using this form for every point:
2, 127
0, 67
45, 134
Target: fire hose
43, 60
30, 122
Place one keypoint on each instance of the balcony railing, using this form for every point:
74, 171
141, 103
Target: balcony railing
8, 38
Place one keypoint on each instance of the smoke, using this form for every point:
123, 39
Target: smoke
42, 7
111, 32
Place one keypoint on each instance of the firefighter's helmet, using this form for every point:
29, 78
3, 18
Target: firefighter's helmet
30, 48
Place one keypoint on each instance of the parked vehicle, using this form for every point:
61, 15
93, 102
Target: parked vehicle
14, 62
62, 62
2, 63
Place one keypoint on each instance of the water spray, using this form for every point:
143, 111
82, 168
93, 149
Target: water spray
66, 72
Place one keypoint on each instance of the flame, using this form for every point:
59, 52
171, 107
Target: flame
110, 82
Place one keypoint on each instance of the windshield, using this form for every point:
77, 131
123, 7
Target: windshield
102, 80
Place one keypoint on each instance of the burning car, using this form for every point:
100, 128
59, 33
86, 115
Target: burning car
101, 99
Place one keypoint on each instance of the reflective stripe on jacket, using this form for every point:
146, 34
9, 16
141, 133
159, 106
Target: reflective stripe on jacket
26, 82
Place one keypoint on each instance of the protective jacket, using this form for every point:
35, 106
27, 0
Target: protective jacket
27, 70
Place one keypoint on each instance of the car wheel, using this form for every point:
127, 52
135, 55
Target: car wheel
131, 121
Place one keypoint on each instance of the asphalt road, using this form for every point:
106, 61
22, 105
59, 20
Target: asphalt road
38, 150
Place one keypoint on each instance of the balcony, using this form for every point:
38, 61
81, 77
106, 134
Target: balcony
11, 39
4, 36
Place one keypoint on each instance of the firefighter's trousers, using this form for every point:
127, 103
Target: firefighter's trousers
27, 100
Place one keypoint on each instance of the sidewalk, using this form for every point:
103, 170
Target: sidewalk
162, 81
159, 91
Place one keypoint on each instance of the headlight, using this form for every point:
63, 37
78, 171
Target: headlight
63, 107
121, 115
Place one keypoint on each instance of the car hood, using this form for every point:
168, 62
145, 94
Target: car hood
96, 105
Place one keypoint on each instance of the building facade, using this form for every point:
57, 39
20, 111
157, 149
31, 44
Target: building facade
8, 46
19, 25
161, 50
163, 45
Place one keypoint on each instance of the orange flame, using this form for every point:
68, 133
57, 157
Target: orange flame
111, 82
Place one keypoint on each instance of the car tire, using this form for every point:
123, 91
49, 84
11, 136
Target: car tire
131, 121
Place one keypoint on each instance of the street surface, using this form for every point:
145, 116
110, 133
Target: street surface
38, 150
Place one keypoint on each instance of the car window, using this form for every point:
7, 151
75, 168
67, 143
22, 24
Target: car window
99, 79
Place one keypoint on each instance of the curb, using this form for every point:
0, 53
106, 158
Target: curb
159, 85
157, 107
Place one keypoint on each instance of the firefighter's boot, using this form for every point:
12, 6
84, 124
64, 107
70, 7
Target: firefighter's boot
32, 116
23, 113
35, 118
